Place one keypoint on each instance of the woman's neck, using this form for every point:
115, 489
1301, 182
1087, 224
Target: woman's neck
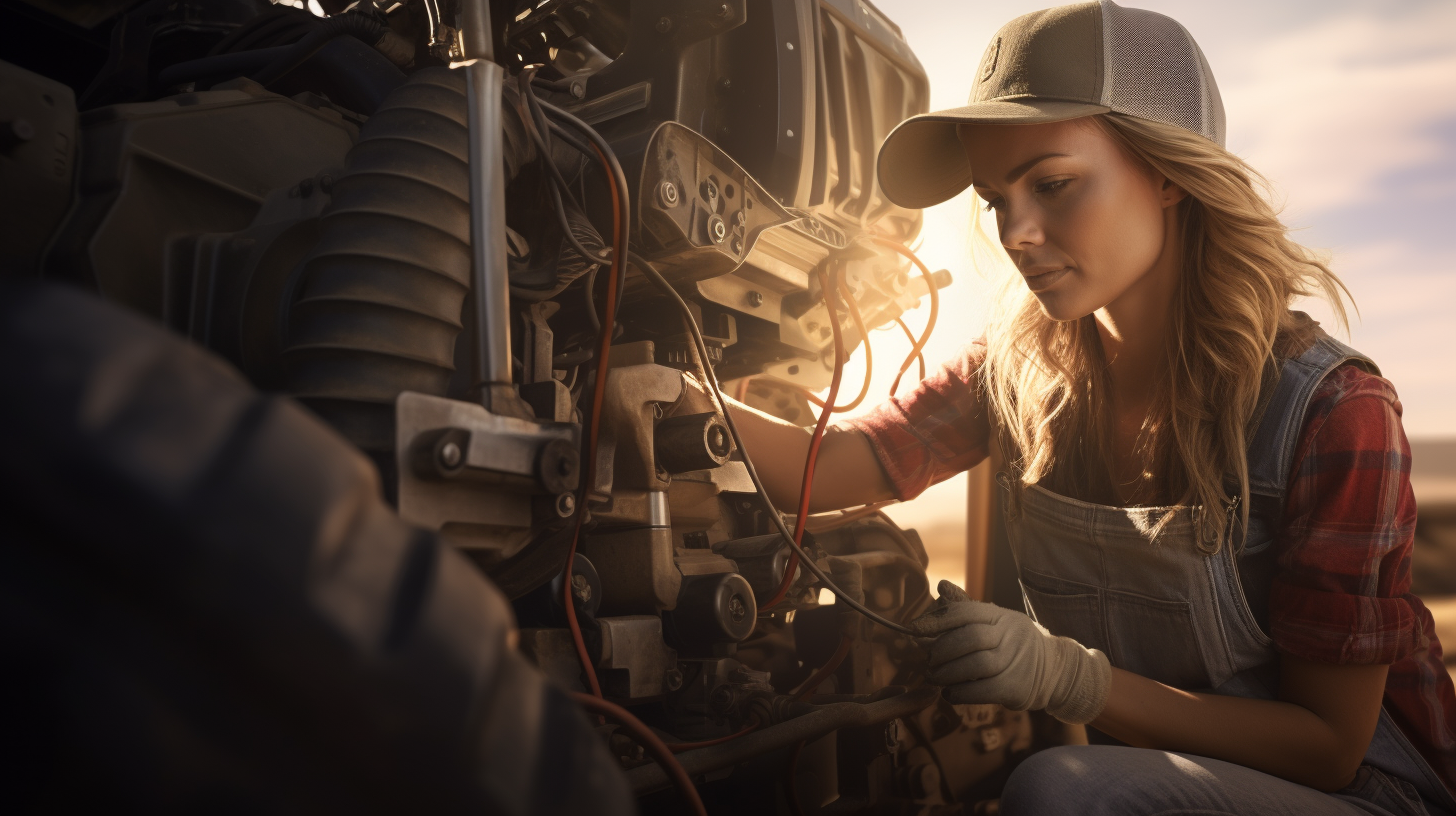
1136, 329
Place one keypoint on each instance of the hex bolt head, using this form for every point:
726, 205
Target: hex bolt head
451, 455
565, 506
717, 230
667, 194
736, 608
755, 299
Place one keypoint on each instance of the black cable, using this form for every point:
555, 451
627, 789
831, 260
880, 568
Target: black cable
222, 65
712, 382
615, 168
327, 29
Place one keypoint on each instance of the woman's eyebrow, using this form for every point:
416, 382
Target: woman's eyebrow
1020, 170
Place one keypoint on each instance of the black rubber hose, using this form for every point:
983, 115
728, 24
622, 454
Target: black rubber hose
819, 721
221, 65
352, 25
378, 306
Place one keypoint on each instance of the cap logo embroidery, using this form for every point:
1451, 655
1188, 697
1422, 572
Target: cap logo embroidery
992, 54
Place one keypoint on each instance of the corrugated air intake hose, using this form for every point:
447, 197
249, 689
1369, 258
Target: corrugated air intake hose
377, 309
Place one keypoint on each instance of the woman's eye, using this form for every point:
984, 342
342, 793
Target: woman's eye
1052, 186
993, 204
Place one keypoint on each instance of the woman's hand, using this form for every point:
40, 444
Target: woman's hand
983, 653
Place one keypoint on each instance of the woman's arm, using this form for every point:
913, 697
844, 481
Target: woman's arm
1316, 734
847, 473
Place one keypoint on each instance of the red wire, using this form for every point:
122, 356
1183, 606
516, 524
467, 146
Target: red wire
817, 679
651, 742
679, 747
604, 348
814, 442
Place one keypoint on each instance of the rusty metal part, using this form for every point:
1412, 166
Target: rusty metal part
692, 442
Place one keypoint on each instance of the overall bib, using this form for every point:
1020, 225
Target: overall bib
1175, 611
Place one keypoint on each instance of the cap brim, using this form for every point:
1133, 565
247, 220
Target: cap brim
922, 162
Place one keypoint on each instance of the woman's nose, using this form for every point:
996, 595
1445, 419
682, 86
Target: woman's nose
1021, 229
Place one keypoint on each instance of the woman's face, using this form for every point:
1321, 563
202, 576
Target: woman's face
1084, 222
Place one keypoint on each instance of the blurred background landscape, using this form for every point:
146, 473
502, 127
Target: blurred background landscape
1348, 107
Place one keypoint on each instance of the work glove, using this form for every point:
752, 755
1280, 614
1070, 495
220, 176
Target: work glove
982, 653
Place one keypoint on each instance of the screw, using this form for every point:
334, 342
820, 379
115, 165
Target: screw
667, 194
578, 89
450, 454
709, 190
664, 25
736, 609
565, 505
717, 230
737, 246
755, 299
725, 11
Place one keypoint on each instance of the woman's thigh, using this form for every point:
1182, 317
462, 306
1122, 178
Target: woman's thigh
1090, 780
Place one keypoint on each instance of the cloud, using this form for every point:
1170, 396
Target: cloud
1335, 110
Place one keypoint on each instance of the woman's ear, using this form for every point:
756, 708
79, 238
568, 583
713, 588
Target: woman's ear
1171, 193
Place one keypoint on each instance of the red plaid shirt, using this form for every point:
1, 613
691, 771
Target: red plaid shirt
1342, 590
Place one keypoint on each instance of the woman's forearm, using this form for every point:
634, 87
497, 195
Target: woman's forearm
1289, 740
847, 473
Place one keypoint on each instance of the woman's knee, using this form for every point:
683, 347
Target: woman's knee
1051, 782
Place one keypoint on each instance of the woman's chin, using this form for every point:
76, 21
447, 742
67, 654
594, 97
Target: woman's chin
1059, 307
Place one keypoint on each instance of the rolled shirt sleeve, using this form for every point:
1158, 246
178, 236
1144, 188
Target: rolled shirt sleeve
936, 431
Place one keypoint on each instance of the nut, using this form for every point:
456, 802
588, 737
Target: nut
755, 299
667, 194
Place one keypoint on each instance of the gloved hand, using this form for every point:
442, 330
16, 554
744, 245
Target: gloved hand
983, 653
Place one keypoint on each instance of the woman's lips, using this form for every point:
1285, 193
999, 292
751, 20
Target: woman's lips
1045, 280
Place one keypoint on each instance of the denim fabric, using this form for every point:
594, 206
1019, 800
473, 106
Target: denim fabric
1173, 608
1105, 780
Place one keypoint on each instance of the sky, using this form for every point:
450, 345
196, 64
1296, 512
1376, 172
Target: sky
1348, 107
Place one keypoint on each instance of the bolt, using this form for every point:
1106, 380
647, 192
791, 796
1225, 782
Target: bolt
581, 588
667, 194
664, 25
717, 230
755, 299
725, 11
709, 190
737, 246
450, 455
16, 131
578, 89
736, 609
718, 442
739, 219
565, 505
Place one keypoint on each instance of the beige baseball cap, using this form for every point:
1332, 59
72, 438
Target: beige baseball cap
1049, 66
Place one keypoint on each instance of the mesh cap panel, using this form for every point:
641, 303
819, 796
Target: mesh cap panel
1151, 63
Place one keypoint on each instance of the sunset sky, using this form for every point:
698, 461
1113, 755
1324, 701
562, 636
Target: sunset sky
1347, 106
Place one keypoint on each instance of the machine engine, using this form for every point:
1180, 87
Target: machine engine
295, 193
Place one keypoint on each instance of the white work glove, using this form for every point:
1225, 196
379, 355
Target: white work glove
982, 653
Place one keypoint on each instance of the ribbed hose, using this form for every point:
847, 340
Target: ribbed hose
378, 307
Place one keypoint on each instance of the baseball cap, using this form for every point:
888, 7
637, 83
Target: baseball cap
1049, 66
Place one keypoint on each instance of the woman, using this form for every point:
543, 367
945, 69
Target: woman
1207, 496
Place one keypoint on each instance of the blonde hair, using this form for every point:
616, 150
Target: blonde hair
1047, 382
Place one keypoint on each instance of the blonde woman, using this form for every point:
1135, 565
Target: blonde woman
1206, 494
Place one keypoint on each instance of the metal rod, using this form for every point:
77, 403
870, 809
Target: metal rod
476, 42
492, 288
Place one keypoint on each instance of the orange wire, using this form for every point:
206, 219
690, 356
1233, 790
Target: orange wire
604, 349
934, 306
869, 357
909, 335
742, 393
679, 747
811, 460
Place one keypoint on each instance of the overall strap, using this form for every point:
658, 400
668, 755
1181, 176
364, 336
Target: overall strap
1272, 445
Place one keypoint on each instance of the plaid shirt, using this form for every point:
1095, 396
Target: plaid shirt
1341, 593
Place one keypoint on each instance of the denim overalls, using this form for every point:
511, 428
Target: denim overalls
1172, 609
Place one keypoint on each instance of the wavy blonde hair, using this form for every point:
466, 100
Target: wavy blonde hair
1047, 381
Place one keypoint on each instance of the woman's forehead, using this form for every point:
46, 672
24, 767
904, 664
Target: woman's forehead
995, 151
